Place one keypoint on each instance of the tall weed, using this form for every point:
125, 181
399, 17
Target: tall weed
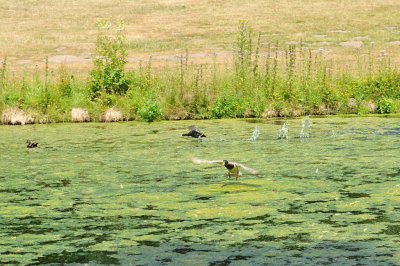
260, 81
108, 75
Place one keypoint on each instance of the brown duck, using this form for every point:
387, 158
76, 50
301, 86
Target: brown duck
31, 144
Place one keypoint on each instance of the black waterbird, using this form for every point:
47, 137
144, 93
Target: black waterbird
31, 144
194, 132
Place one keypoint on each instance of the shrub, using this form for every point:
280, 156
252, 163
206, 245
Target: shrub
243, 51
228, 106
150, 110
108, 75
385, 106
11, 98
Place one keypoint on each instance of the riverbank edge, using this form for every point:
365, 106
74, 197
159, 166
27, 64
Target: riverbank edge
17, 116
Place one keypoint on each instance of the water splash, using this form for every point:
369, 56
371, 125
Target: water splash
284, 131
256, 134
333, 130
305, 128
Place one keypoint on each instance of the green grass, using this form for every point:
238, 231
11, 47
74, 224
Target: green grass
259, 80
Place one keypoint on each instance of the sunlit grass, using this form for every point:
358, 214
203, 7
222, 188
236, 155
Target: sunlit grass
34, 30
285, 59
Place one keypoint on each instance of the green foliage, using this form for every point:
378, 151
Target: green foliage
385, 106
65, 82
11, 98
228, 105
243, 47
108, 75
286, 81
362, 109
245, 65
150, 110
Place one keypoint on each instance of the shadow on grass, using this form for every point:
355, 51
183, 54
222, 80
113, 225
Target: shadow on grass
236, 183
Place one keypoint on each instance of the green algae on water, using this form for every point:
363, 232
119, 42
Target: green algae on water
127, 193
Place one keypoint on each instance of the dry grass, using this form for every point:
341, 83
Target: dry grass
79, 114
32, 30
370, 105
111, 115
15, 116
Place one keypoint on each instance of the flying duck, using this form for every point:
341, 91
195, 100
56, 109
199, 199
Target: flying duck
194, 132
231, 166
31, 144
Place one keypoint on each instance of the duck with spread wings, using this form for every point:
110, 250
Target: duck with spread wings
231, 166
194, 132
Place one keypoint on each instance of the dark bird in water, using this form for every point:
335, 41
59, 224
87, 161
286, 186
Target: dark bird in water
194, 132
231, 166
31, 144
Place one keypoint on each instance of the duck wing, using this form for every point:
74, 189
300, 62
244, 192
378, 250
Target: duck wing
194, 132
252, 171
201, 161
193, 127
190, 134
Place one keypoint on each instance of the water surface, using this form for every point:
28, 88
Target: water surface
127, 193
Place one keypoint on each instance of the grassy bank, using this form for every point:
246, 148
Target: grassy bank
257, 81
32, 30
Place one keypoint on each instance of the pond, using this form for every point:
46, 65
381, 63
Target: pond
128, 193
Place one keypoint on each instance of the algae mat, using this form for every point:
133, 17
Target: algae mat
127, 193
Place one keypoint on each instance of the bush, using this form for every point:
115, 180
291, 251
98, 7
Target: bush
108, 75
11, 98
228, 106
385, 106
150, 111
